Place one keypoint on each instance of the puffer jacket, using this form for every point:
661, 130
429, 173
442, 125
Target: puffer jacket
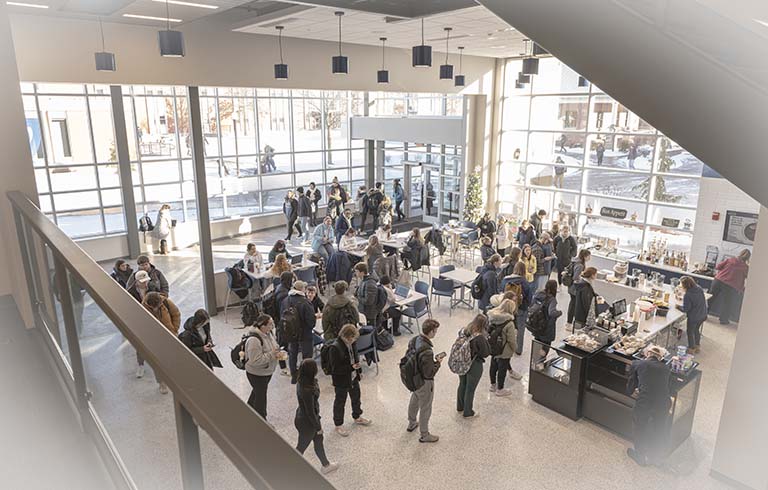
550, 305
339, 267
586, 305
541, 251
490, 285
260, 353
339, 310
168, 314
508, 334
367, 293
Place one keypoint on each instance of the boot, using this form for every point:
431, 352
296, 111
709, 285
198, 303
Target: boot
163, 247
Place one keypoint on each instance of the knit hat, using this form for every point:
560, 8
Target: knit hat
300, 285
142, 277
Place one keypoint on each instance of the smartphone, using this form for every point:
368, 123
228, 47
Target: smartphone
441, 355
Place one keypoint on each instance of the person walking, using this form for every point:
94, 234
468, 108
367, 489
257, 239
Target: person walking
490, 278
196, 335
600, 151
166, 312
372, 203
315, 196
547, 297
503, 236
523, 293
632, 155
307, 419
304, 212
398, 194
122, 273
728, 286
480, 349
565, 248
537, 222
298, 316
335, 203
281, 291
345, 376
262, 355
157, 281
291, 213
695, 307
323, 239
560, 170
578, 264
503, 339
163, 227
385, 212
427, 365
339, 311
544, 255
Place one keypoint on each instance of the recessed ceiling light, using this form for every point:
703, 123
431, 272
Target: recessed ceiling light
761, 22
149, 17
30, 5
188, 4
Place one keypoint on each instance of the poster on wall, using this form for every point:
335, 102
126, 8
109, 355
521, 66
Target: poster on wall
740, 227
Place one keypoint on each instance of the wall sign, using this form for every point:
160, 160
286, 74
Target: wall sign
740, 227
670, 222
613, 212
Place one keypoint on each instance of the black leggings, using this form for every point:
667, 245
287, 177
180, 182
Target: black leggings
291, 225
307, 435
498, 371
258, 398
571, 307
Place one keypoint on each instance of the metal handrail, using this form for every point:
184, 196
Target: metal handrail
264, 458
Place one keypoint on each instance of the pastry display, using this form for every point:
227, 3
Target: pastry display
583, 342
628, 345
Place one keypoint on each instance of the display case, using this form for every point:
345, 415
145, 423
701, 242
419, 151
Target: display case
557, 378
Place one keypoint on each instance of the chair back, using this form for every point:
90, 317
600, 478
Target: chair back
446, 268
420, 307
230, 276
468, 224
422, 287
306, 275
473, 236
442, 285
366, 342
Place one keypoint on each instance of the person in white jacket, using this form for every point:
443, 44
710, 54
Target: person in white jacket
262, 354
163, 227
503, 236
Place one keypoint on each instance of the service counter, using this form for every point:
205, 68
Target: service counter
601, 260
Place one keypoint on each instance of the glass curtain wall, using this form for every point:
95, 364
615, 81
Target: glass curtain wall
589, 161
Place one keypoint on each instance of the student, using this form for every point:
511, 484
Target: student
565, 248
262, 354
278, 248
372, 203
728, 286
508, 264
163, 227
384, 233
280, 266
315, 301
421, 400
526, 235
537, 222
166, 313
361, 206
579, 264
486, 226
307, 420
343, 225
339, 311
391, 310
349, 241
547, 297
490, 274
503, 236
345, 375
252, 261
323, 239
291, 213
157, 281
367, 294
305, 316
304, 212
335, 203
523, 291
315, 196
281, 293
486, 250
122, 273
196, 335
398, 194
544, 255
465, 395
373, 252
385, 211
695, 307
650, 377
502, 318
585, 310
530, 263
411, 253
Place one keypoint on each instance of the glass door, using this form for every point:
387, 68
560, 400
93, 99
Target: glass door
430, 180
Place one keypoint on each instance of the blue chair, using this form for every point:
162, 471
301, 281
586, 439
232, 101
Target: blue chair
307, 275
448, 268
366, 344
231, 289
423, 288
445, 288
467, 244
478, 269
418, 309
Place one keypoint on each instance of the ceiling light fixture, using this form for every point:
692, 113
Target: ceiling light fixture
530, 64
446, 70
30, 5
583, 82
422, 54
189, 4
171, 42
382, 76
150, 17
281, 69
104, 61
340, 63
523, 78
519, 85
459, 80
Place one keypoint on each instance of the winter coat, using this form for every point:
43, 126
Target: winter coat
427, 366
194, 342
486, 227
274, 253
536, 224
435, 237
304, 207
290, 209
341, 359
305, 312
322, 235
585, 301
260, 354
552, 314
541, 251
565, 249
508, 333
373, 201
412, 252
121, 277
526, 286
341, 226
525, 237
163, 225
398, 195
651, 378
372, 254
486, 251
694, 305
308, 409
385, 214
387, 266
339, 267
367, 294
530, 266
167, 314
157, 281
490, 285
732, 272
503, 237
339, 311
314, 196
578, 268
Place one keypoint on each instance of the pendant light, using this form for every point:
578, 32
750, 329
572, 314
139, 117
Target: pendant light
422, 55
104, 61
171, 42
538, 50
340, 63
523, 78
459, 80
281, 69
519, 85
382, 76
530, 64
583, 82
446, 70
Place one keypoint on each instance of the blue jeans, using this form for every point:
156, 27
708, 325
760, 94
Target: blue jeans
304, 220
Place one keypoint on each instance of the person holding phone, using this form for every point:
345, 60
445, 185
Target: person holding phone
307, 420
197, 337
345, 375
262, 354
428, 365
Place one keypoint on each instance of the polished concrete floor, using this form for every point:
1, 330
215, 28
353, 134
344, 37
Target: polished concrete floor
514, 443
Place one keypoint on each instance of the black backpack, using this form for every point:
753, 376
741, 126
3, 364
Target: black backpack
237, 360
384, 339
536, 323
270, 306
325, 356
290, 325
478, 287
381, 298
250, 313
145, 223
495, 338
567, 275
410, 372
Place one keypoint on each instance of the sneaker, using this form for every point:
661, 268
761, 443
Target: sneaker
412, 426
515, 375
342, 431
285, 372
140, 372
329, 468
428, 438
163, 389
473, 416
362, 421
504, 392
492, 389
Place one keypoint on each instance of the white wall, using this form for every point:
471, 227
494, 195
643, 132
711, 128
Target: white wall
718, 195
435, 130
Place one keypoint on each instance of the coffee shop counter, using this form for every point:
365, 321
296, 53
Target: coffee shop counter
601, 260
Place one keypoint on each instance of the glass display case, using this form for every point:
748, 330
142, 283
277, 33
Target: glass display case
557, 377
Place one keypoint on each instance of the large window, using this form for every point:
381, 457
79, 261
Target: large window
589, 161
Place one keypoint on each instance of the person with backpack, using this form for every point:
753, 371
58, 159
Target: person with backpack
371, 298
543, 325
544, 255
372, 203
196, 335
503, 342
169, 316
565, 248
344, 367
339, 311
523, 291
585, 310
467, 357
571, 277
297, 320
315, 196
418, 369
122, 273
261, 357
307, 419
291, 213
488, 282
303, 211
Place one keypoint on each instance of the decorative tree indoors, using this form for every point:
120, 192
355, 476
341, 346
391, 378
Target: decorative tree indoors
473, 203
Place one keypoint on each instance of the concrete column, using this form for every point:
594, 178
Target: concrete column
741, 450
15, 170
124, 163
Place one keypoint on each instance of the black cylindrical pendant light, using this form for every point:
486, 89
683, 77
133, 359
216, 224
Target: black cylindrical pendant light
530, 66
340, 63
171, 42
422, 55
459, 80
523, 78
382, 76
519, 85
104, 61
538, 50
281, 69
583, 82
446, 70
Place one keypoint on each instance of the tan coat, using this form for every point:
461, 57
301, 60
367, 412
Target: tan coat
168, 314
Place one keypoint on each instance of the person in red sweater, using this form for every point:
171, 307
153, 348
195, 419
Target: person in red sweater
728, 286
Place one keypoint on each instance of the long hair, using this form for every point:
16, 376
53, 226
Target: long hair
307, 374
281, 265
478, 325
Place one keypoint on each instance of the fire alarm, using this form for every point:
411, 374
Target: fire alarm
715, 216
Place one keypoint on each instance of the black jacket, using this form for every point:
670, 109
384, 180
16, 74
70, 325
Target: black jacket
486, 251
341, 361
290, 209
308, 411
490, 285
585, 298
305, 207
305, 310
565, 249
552, 313
651, 378
281, 292
274, 253
694, 305
367, 295
121, 277
480, 348
536, 224
314, 196
157, 281
191, 338
486, 227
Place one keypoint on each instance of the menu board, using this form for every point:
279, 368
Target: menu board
740, 227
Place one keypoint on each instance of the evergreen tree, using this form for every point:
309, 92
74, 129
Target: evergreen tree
660, 191
473, 203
